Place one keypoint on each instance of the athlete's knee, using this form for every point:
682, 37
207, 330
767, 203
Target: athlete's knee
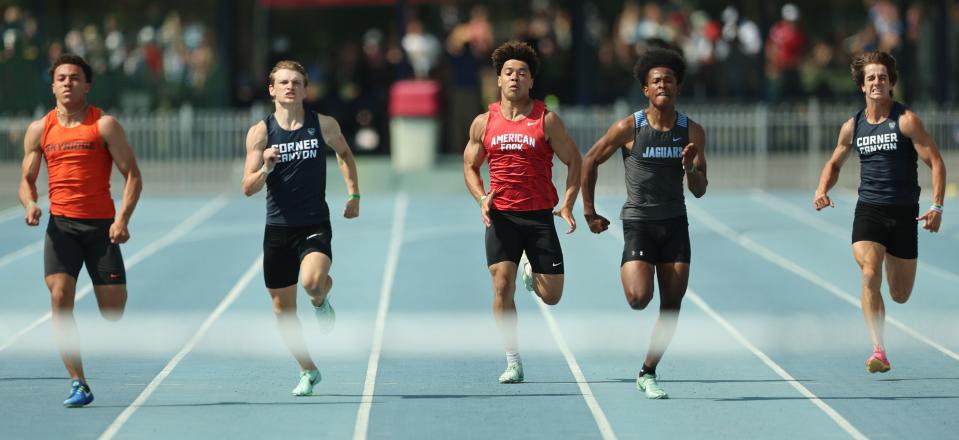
870, 273
638, 302
503, 286
551, 298
900, 295
314, 284
638, 298
61, 299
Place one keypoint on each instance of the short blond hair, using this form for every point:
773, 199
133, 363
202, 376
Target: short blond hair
289, 65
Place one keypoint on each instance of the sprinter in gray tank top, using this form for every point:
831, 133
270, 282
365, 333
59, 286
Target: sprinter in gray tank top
889, 138
291, 143
660, 147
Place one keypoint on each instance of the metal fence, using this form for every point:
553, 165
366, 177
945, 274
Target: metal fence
748, 145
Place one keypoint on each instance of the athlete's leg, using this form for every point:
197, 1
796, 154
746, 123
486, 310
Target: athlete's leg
284, 307
112, 300
637, 279
869, 255
504, 307
314, 275
62, 293
901, 276
673, 279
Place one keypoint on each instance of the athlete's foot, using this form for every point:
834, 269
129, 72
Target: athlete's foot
513, 373
526, 272
80, 395
648, 384
325, 315
877, 363
308, 379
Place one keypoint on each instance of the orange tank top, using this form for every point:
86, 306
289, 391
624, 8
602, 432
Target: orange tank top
79, 166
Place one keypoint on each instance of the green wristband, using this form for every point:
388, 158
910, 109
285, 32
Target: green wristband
692, 169
354, 196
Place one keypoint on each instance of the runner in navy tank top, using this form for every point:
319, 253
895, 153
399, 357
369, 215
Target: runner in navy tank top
889, 138
660, 146
519, 137
286, 152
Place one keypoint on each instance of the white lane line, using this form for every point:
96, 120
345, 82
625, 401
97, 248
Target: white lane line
696, 299
235, 292
832, 413
785, 263
178, 232
824, 226
386, 291
22, 252
605, 429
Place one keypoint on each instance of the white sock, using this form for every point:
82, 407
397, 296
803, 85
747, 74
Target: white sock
512, 356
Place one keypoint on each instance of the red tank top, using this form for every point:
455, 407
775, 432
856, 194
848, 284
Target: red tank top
520, 161
79, 167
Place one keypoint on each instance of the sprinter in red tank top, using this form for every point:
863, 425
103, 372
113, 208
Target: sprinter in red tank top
80, 145
519, 136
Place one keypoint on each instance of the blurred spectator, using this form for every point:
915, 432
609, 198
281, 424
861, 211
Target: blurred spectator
422, 49
467, 48
784, 54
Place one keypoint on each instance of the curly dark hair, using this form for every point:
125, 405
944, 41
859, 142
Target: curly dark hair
859, 63
654, 58
76, 60
515, 50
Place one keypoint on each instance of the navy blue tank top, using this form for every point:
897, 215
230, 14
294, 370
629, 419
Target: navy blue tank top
296, 189
888, 161
654, 170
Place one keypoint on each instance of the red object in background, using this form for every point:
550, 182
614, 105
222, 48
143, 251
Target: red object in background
414, 98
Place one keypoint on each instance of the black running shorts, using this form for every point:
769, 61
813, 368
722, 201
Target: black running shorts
657, 241
894, 227
284, 247
69, 243
513, 232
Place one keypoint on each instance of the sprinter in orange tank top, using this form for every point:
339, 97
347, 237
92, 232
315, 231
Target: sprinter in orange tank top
80, 145
518, 136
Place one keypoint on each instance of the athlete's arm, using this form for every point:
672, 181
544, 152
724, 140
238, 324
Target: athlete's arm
257, 165
694, 160
830, 172
567, 151
32, 155
473, 157
910, 125
344, 158
126, 162
618, 134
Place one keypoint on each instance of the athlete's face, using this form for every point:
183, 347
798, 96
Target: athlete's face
661, 87
289, 87
875, 82
515, 80
70, 86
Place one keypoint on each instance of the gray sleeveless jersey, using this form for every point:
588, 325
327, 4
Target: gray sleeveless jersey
654, 170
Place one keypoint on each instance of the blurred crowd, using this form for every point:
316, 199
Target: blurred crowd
160, 58
152, 60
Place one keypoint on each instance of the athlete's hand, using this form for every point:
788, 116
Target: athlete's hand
270, 156
596, 222
118, 232
486, 203
821, 201
32, 215
932, 219
689, 153
352, 209
566, 213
